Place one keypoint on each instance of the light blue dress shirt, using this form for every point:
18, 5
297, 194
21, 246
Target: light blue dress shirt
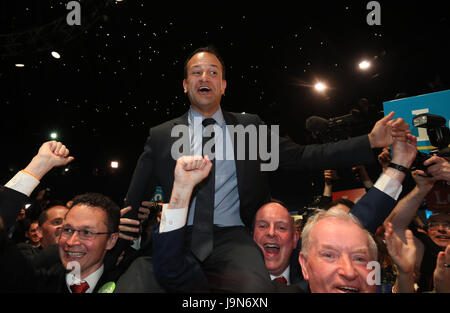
226, 198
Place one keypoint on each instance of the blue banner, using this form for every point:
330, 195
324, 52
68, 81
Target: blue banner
437, 103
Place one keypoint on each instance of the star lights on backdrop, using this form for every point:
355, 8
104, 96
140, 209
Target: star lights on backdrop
121, 74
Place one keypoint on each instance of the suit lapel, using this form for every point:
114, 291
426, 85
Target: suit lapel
182, 120
231, 119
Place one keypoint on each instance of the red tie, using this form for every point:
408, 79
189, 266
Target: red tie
81, 288
282, 279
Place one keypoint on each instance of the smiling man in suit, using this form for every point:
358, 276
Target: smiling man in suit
225, 204
90, 228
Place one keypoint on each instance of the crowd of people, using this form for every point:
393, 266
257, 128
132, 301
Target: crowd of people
221, 231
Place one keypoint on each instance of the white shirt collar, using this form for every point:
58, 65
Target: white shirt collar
92, 279
217, 116
285, 274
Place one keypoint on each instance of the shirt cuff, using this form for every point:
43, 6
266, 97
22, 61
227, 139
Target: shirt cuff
23, 183
389, 186
172, 219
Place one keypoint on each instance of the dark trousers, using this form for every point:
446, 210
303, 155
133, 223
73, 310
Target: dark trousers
236, 263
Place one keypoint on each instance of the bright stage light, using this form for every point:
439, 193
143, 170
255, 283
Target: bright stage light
20, 65
114, 164
56, 55
364, 65
320, 87
53, 135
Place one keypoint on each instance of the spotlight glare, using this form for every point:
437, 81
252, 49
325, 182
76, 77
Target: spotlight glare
320, 87
20, 65
53, 135
56, 55
114, 164
364, 65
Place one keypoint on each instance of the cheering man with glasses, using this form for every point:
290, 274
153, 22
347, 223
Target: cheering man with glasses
90, 229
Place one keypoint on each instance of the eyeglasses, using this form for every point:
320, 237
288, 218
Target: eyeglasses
83, 234
435, 225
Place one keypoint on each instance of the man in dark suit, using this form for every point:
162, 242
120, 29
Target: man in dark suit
90, 229
240, 187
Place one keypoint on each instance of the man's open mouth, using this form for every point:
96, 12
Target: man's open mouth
75, 254
271, 248
204, 90
348, 289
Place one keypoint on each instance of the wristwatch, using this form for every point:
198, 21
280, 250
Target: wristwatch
399, 167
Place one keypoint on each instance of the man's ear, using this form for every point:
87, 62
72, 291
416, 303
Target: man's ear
185, 85
303, 264
112, 241
224, 86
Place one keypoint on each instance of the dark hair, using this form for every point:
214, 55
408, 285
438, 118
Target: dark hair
210, 49
343, 201
44, 215
105, 203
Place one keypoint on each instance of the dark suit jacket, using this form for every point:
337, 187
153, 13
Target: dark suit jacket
11, 202
175, 268
156, 165
53, 280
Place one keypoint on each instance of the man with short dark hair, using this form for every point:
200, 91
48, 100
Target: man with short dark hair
49, 220
90, 229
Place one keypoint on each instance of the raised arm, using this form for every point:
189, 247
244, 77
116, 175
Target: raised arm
51, 154
175, 269
386, 131
404, 256
442, 272
407, 207
376, 205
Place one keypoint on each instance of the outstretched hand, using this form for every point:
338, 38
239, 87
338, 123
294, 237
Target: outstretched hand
386, 130
404, 151
442, 272
403, 254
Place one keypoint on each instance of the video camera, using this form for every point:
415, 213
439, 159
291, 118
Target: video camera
439, 135
338, 128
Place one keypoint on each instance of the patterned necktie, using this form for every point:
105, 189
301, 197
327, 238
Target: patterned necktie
282, 279
81, 288
202, 231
